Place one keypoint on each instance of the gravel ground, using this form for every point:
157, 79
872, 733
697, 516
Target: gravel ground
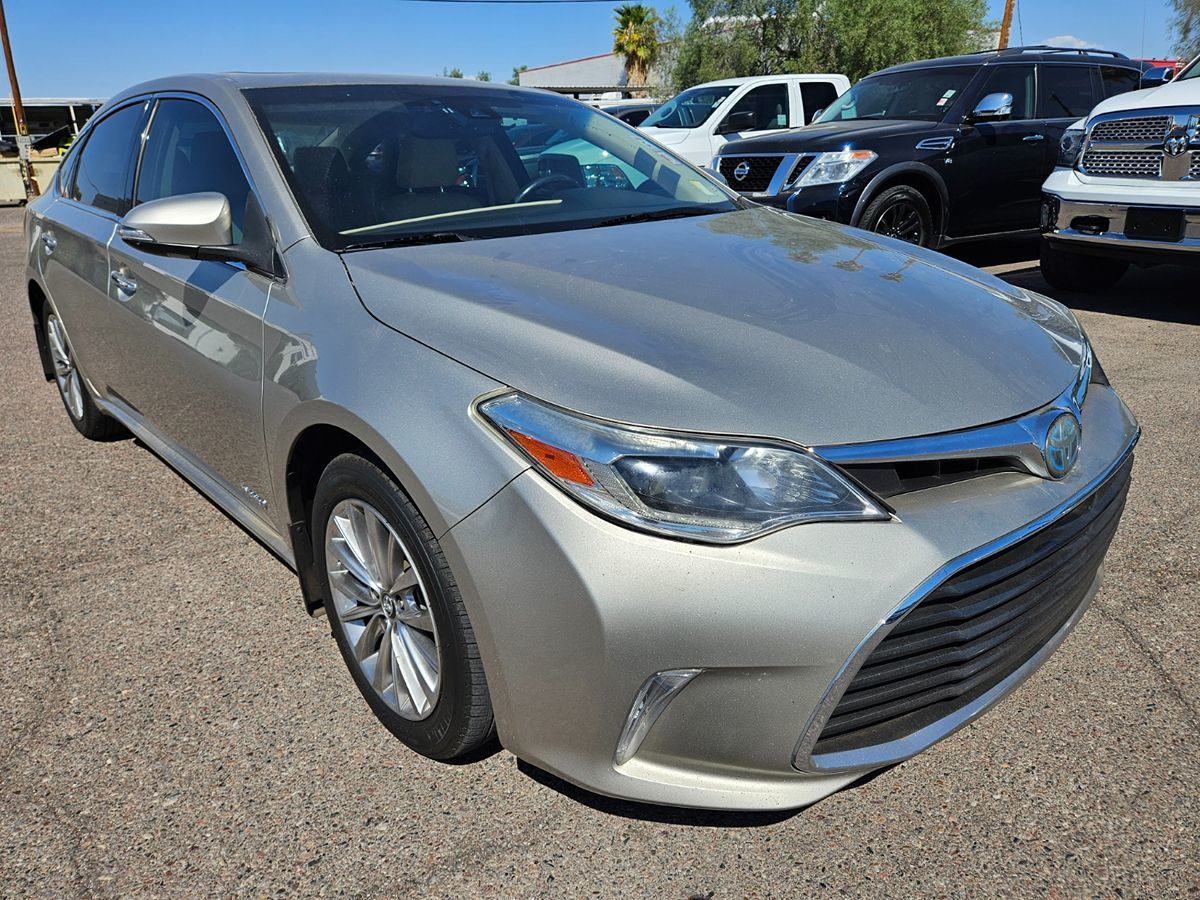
171, 723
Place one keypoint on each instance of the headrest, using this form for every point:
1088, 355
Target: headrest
427, 163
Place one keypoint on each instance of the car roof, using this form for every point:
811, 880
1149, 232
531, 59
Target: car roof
748, 78
1012, 55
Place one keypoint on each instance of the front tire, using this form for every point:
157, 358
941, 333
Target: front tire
1079, 272
900, 212
72, 388
396, 613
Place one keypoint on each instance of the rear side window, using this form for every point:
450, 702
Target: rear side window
1015, 80
105, 169
188, 152
770, 106
1065, 92
816, 96
1115, 80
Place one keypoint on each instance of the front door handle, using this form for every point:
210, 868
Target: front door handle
1033, 138
126, 286
49, 241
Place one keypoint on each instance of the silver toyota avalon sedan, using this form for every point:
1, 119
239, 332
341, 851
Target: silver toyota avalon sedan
686, 500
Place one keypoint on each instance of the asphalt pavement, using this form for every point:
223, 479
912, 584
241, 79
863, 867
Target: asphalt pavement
172, 723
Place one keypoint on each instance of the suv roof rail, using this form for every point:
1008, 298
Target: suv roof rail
1047, 48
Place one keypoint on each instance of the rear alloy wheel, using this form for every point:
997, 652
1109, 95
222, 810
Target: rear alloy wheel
82, 410
900, 212
396, 613
1079, 272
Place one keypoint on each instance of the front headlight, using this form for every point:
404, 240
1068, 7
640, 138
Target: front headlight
834, 168
703, 489
1070, 146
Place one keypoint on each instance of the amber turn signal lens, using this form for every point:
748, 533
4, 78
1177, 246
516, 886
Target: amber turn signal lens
558, 463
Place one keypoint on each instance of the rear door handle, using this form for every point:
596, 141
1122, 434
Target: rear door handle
126, 286
49, 241
1033, 138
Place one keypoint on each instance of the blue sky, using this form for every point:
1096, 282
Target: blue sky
96, 47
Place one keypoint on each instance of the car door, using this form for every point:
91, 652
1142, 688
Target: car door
995, 181
193, 370
771, 105
72, 244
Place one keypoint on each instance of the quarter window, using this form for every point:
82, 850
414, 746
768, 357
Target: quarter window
1015, 80
105, 168
1065, 92
188, 152
770, 106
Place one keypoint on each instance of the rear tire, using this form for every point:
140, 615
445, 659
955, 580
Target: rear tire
72, 386
1079, 272
900, 212
396, 613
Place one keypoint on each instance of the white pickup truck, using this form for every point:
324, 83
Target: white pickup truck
1127, 187
698, 121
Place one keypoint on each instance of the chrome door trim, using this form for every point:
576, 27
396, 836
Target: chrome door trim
201, 479
867, 758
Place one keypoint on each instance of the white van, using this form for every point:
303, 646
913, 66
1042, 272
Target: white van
696, 123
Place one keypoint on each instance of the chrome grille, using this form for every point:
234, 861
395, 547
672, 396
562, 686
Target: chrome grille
758, 179
1194, 169
1145, 128
1123, 163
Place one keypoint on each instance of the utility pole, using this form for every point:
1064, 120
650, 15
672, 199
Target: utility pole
1005, 23
31, 186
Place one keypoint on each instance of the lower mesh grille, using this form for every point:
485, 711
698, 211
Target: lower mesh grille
977, 628
1123, 163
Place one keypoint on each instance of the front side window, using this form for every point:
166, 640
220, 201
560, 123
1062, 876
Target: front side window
188, 152
690, 109
924, 94
105, 169
1065, 92
769, 104
1015, 80
374, 164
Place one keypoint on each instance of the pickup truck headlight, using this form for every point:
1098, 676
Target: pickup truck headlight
712, 490
835, 167
1070, 145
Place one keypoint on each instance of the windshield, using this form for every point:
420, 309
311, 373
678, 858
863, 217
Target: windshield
378, 164
924, 94
1192, 71
689, 109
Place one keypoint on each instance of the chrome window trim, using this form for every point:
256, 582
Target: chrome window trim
868, 758
1020, 440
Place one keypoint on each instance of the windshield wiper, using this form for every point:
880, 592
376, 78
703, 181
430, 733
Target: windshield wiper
657, 215
400, 240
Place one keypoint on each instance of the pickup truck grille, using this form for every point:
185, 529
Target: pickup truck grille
1148, 129
978, 628
761, 170
1123, 163
1194, 170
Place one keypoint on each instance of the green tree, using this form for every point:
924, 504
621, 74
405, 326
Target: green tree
516, 75
1187, 28
484, 75
728, 38
635, 37
456, 72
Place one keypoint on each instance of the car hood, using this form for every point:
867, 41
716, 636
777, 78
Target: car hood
753, 322
1173, 93
831, 136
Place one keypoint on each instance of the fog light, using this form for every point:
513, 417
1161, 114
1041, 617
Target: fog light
654, 697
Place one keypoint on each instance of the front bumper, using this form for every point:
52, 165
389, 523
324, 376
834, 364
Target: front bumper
573, 613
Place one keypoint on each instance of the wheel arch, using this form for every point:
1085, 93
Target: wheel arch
37, 306
915, 175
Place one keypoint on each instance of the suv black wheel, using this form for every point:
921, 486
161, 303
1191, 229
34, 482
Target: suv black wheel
900, 212
72, 389
1079, 272
396, 613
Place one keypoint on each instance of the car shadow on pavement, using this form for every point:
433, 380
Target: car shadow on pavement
672, 815
1159, 294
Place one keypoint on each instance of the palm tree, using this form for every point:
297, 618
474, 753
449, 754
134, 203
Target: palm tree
636, 39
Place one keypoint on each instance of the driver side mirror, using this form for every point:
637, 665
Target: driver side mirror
992, 108
200, 226
738, 120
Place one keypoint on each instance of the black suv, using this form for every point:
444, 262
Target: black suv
937, 151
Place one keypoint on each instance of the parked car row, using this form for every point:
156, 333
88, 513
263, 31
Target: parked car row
683, 498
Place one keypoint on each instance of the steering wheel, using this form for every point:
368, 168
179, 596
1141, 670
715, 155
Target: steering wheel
540, 184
